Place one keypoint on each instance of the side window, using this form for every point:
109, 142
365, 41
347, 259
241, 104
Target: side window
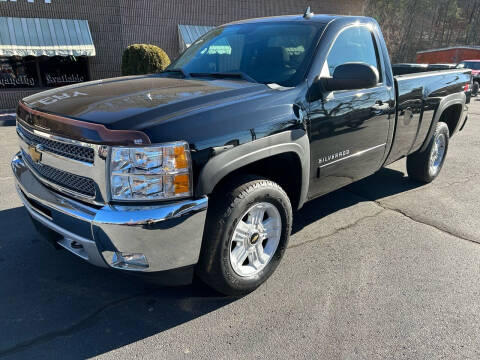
354, 44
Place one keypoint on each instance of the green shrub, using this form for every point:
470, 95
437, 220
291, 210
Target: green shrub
144, 59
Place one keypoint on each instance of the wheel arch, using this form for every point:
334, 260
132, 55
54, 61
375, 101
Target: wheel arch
452, 106
451, 116
283, 158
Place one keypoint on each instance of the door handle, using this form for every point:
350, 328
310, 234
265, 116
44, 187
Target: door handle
379, 107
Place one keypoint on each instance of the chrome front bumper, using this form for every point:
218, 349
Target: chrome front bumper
169, 235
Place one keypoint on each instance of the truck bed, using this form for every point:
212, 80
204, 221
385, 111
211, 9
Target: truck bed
418, 98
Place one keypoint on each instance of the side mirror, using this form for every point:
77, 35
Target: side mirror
351, 76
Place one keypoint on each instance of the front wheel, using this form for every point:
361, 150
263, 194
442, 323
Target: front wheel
246, 234
425, 166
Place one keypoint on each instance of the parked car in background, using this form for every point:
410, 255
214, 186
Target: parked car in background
254, 119
473, 65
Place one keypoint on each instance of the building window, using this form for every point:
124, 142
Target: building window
18, 72
59, 71
38, 72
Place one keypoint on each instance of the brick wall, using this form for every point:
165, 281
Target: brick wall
115, 24
149, 22
9, 98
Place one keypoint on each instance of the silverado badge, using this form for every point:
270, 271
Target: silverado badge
34, 153
335, 156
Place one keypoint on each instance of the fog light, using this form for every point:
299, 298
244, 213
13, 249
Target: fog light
129, 261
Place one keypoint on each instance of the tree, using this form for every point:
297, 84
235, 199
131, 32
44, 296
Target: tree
413, 25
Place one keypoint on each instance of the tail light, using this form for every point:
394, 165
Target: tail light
467, 87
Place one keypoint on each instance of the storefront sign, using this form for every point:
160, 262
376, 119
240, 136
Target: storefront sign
21, 80
63, 79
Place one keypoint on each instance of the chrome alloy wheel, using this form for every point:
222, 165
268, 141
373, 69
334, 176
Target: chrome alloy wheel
437, 154
255, 239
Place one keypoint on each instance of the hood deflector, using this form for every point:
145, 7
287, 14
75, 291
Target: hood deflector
78, 130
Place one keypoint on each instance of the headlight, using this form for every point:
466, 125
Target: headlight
151, 173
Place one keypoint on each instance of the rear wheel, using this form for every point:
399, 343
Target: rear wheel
425, 166
247, 232
475, 88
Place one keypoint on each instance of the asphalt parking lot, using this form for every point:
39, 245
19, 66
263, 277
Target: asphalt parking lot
382, 269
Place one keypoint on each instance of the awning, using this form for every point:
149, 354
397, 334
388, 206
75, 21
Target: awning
45, 37
187, 34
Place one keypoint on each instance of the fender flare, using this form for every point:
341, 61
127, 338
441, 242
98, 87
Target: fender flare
445, 103
221, 165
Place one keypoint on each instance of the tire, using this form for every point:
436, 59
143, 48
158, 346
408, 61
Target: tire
425, 166
475, 88
232, 215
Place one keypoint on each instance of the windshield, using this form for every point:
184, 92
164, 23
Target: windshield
265, 52
474, 65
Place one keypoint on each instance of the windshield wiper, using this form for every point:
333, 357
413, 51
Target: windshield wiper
179, 70
239, 75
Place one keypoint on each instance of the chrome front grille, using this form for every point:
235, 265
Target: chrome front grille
71, 167
76, 183
71, 151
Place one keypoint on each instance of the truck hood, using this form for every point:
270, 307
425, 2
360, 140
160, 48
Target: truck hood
123, 103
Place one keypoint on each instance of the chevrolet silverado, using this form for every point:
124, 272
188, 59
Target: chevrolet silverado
198, 170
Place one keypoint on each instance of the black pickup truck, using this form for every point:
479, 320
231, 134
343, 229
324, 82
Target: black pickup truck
198, 170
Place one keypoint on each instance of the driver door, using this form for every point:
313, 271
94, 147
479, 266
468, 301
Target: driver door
348, 128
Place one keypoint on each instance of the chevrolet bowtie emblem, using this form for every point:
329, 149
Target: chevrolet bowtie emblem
34, 152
